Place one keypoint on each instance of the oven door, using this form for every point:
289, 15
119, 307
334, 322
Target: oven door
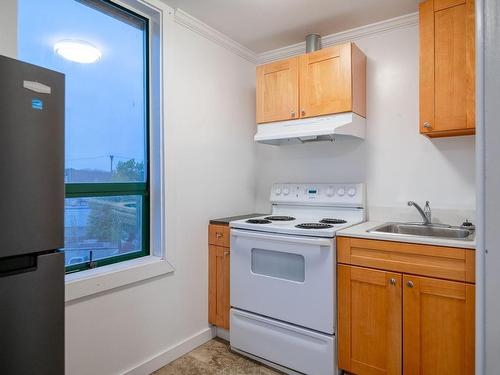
290, 278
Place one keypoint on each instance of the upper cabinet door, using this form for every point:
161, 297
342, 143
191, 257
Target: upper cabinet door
447, 67
325, 81
438, 328
278, 91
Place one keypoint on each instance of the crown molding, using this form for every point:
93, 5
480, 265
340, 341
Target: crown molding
201, 28
401, 22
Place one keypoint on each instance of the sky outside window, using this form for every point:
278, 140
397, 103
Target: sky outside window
105, 101
106, 124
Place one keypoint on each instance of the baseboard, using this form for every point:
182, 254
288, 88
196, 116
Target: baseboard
223, 333
172, 353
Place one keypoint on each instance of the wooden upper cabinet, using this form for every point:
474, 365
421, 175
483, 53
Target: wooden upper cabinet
331, 80
438, 327
369, 320
447, 68
278, 91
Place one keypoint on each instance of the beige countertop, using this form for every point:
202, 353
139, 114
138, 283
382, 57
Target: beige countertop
361, 231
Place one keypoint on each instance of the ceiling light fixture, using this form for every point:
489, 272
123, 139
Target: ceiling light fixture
77, 51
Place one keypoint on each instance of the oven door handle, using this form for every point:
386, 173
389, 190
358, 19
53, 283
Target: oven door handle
318, 241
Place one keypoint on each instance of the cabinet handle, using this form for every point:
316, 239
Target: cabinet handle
427, 125
303, 112
218, 234
292, 114
226, 253
393, 281
410, 284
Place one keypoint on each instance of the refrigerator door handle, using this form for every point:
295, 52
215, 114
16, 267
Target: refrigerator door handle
18, 264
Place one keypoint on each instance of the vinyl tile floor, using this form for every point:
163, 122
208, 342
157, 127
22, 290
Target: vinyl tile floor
214, 358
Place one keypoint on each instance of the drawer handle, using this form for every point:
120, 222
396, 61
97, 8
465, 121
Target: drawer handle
393, 281
218, 234
226, 253
410, 284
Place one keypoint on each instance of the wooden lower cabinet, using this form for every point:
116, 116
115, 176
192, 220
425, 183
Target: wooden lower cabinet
392, 322
369, 313
438, 326
218, 286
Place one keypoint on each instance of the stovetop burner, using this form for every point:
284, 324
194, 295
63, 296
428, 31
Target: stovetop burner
258, 221
313, 226
332, 221
280, 218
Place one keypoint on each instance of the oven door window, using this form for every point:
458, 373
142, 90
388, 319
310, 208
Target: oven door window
278, 264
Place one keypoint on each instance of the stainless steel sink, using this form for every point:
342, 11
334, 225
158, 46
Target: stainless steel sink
438, 231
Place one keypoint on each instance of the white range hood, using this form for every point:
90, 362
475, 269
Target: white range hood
314, 129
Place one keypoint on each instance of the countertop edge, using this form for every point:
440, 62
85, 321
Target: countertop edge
226, 220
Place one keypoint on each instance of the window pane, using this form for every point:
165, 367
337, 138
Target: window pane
105, 99
107, 226
285, 266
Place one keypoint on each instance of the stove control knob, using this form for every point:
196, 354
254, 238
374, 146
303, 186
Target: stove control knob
351, 192
330, 192
278, 191
341, 192
286, 191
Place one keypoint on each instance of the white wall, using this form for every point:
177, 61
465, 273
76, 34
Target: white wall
396, 162
210, 120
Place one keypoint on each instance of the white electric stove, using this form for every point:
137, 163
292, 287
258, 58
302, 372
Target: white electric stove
283, 276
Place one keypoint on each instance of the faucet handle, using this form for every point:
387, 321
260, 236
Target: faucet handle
468, 225
427, 212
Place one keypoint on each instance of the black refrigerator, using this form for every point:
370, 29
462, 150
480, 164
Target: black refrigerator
31, 219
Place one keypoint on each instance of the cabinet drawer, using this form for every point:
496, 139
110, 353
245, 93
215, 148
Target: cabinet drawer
425, 260
218, 235
297, 348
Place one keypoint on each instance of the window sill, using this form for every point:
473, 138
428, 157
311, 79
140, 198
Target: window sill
86, 283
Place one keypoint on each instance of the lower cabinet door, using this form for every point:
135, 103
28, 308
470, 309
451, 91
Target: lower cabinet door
218, 286
438, 318
369, 326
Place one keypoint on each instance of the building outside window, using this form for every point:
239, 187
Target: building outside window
103, 50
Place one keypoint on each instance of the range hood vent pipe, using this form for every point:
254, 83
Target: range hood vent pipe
313, 42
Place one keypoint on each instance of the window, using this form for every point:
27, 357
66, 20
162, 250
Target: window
102, 49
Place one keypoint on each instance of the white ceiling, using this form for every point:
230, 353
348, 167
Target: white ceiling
263, 25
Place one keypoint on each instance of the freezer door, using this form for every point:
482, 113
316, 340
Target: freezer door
32, 315
31, 158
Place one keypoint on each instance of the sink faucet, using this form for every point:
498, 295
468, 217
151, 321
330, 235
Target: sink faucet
425, 213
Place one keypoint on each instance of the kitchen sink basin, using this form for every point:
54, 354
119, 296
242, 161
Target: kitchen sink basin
438, 231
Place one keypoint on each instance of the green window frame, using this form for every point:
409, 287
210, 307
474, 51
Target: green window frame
84, 190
